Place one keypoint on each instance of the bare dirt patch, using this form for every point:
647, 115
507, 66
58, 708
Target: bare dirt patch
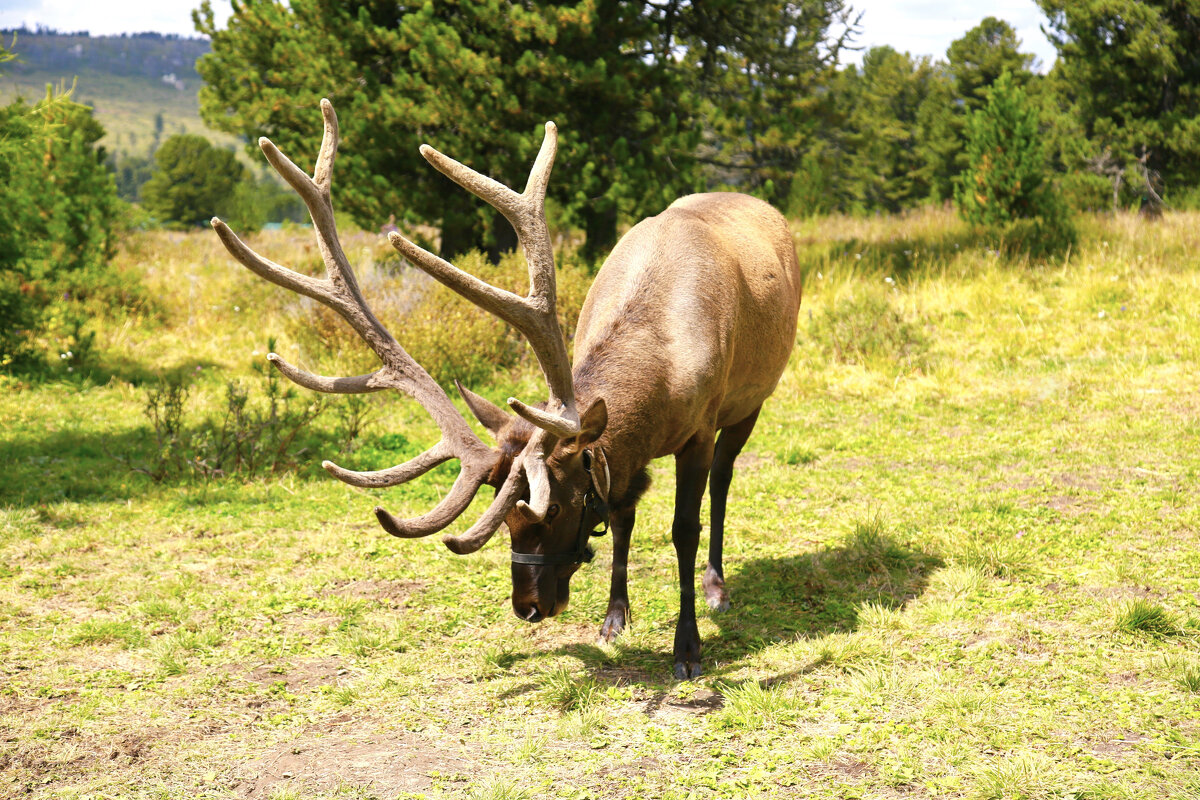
393, 593
664, 707
302, 676
336, 756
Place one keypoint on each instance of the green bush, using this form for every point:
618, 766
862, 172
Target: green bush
57, 227
194, 181
1007, 179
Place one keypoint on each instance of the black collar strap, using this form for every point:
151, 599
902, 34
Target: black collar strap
595, 500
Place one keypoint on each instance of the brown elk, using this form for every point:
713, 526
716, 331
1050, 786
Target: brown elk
684, 333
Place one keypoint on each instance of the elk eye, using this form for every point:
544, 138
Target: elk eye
552, 511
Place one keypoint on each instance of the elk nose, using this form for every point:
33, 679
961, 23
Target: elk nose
531, 614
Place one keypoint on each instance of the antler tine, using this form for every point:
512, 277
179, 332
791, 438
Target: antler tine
359, 384
534, 315
482, 531
449, 509
393, 476
339, 290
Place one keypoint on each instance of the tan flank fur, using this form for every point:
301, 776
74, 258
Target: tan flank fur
684, 333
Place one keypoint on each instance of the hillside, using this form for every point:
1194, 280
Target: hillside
144, 87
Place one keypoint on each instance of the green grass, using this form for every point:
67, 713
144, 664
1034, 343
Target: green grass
963, 554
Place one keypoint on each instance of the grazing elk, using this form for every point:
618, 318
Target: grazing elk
684, 333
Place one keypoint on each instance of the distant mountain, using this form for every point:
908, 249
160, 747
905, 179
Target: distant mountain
143, 86
145, 55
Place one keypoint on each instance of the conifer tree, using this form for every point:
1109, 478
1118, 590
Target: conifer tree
1006, 177
1129, 72
192, 181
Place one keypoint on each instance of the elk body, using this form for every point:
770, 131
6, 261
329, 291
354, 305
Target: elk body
684, 333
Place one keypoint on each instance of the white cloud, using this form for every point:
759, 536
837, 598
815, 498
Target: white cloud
920, 27
927, 27
104, 18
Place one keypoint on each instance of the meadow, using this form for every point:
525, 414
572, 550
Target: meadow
963, 548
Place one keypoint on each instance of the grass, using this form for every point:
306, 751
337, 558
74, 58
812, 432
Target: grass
963, 557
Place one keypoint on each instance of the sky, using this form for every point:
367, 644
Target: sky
920, 27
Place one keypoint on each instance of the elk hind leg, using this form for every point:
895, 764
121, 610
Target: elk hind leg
691, 470
729, 444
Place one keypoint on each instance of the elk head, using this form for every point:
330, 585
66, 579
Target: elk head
547, 466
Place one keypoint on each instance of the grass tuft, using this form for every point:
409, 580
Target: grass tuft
752, 705
1140, 616
568, 692
498, 789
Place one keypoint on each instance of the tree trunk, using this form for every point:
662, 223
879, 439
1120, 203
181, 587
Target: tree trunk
600, 225
503, 238
461, 231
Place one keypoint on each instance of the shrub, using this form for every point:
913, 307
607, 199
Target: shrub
56, 226
258, 431
1006, 180
194, 181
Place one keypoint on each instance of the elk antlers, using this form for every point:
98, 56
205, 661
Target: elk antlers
533, 315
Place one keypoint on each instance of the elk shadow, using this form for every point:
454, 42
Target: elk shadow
776, 600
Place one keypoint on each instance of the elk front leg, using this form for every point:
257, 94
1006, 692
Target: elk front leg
618, 593
729, 444
691, 474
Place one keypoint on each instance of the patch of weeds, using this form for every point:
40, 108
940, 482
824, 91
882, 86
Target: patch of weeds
106, 631
752, 705
958, 580
530, 748
882, 684
820, 749
842, 650
1183, 673
569, 692
167, 654
867, 330
1025, 775
1140, 616
162, 610
496, 660
798, 454
876, 616
582, 724
498, 789
344, 696
998, 558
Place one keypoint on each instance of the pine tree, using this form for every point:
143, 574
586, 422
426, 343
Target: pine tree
1006, 177
1129, 73
193, 181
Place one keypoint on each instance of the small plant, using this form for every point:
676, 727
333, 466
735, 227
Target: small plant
498, 789
998, 558
164, 407
353, 412
570, 692
257, 433
1143, 617
753, 705
865, 329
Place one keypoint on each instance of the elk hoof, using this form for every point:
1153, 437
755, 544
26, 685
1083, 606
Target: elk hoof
714, 590
614, 624
685, 670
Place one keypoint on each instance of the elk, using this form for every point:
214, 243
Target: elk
684, 333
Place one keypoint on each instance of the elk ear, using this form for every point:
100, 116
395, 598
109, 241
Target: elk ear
490, 415
591, 425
